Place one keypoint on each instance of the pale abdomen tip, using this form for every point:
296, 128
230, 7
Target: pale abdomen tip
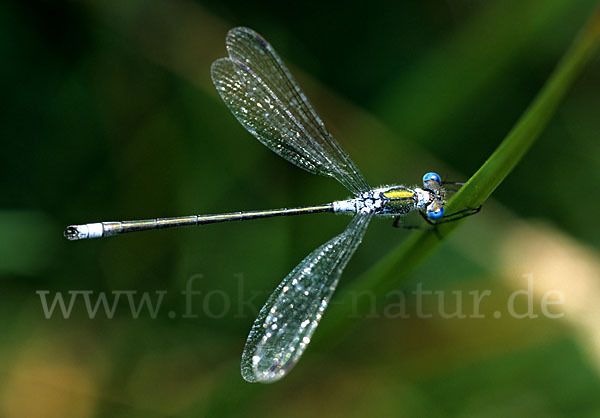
72, 233
77, 232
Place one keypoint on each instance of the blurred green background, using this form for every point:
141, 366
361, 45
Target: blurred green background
109, 114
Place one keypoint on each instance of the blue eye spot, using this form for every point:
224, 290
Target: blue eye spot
432, 177
436, 214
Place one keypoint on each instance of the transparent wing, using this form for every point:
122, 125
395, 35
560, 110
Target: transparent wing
288, 319
264, 97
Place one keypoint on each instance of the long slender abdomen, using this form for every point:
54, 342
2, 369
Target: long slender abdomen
106, 229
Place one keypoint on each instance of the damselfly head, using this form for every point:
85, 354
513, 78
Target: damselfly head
433, 184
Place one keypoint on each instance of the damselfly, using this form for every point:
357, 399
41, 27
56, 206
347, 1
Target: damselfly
264, 97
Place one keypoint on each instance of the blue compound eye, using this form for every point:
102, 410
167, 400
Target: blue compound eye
431, 177
436, 214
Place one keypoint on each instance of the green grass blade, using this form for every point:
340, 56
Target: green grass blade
400, 262
528, 128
